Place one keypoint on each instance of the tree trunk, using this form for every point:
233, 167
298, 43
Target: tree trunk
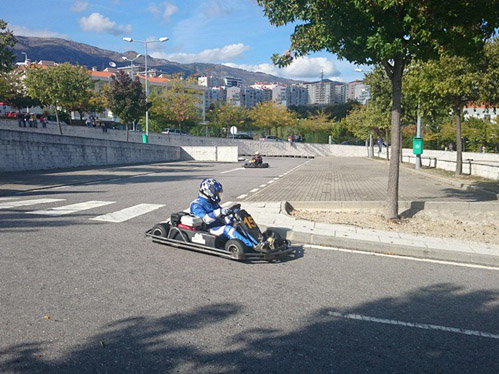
393, 174
58, 121
459, 143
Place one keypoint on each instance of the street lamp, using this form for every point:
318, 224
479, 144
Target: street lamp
25, 58
131, 63
146, 42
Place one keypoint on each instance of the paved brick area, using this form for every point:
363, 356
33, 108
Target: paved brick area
357, 179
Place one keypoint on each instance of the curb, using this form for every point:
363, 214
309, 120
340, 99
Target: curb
382, 248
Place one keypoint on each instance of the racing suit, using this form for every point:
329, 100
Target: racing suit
211, 214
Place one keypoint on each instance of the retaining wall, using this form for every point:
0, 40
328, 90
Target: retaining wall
21, 151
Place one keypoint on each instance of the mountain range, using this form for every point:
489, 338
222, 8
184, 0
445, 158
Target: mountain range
63, 50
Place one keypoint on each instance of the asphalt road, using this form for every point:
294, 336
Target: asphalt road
79, 295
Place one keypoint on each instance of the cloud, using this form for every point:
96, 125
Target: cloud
98, 23
216, 55
78, 6
304, 68
24, 31
164, 10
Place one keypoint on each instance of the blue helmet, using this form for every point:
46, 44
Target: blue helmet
211, 189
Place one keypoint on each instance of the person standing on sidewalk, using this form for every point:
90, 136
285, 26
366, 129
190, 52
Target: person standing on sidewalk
20, 120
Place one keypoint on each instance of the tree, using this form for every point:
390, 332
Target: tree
180, 102
451, 82
126, 98
60, 86
225, 115
7, 42
13, 91
386, 32
269, 115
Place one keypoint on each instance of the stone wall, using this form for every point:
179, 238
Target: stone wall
23, 151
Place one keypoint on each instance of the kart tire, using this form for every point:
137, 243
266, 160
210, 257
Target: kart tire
264, 165
161, 229
236, 248
276, 235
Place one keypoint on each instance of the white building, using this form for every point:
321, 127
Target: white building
358, 91
480, 111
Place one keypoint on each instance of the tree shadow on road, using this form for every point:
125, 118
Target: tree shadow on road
316, 342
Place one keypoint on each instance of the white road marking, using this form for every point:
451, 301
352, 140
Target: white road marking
262, 185
423, 326
241, 196
15, 204
269, 182
68, 209
60, 187
231, 170
254, 190
401, 257
127, 213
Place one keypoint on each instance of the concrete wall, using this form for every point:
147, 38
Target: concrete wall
23, 151
207, 153
484, 165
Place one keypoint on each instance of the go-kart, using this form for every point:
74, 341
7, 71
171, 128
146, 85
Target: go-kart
253, 164
185, 231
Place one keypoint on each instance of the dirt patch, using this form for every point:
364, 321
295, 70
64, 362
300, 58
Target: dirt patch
469, 226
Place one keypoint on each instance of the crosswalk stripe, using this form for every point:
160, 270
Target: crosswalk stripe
15, 204
127, 213
68, 209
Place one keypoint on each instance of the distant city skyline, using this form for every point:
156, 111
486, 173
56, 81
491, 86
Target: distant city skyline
230, 32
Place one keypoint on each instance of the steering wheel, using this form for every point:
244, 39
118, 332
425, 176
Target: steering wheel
234, 207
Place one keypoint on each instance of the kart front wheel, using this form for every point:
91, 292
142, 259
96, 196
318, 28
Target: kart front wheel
236, 249
161, 229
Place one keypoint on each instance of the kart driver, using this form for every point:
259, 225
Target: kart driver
207, 207
257, 159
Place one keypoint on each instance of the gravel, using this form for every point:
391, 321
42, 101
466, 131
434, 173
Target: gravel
463, 225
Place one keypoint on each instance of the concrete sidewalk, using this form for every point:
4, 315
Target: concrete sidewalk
274, 214
361, 183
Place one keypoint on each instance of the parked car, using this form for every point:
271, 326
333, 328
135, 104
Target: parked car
174, 132
271, 138
243, 136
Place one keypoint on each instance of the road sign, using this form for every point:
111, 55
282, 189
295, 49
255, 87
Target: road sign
233, 130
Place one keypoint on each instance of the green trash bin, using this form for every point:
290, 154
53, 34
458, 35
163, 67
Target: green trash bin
144, 138
417, 146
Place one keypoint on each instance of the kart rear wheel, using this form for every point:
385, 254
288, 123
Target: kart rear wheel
273, 233
161, 229
236, 248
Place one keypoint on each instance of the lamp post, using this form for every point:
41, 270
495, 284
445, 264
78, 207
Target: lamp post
131, 63
146, 42
25, 58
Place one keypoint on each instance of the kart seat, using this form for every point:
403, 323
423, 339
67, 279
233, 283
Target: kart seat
185, 227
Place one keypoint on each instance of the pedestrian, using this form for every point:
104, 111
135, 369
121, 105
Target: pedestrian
379, 142
88, 122
27, 118
482, 149
451, 147
290, 138
20, 119
34, 120
43, 121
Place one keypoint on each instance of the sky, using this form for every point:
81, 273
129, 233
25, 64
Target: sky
230, 32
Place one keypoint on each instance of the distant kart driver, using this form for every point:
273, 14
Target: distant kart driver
257, 158
207, 207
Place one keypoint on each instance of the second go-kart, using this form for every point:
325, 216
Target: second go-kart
188, 232
253, 164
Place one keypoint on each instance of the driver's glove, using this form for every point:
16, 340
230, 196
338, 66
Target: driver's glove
225, 211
